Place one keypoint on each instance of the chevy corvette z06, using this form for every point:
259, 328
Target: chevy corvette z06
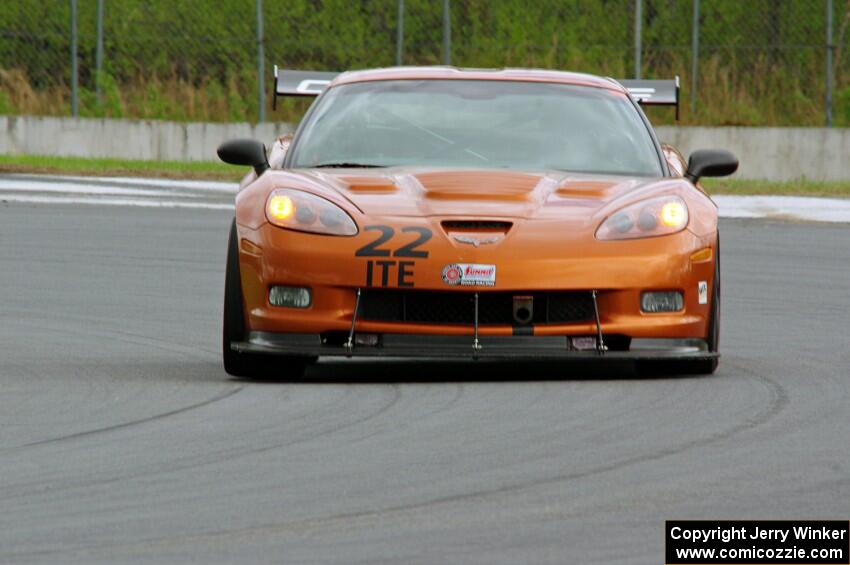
451, 213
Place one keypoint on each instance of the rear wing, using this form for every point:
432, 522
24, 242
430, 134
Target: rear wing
654, 92
300, 83
313, 83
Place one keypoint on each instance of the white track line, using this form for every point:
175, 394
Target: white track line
785, 207
108, 201
170, 184
80, 188
165, 183
204, 195
116, 191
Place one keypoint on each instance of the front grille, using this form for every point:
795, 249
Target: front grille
489, 225
494, 308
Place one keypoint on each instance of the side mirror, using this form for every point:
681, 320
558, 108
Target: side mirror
244, 152
711, 163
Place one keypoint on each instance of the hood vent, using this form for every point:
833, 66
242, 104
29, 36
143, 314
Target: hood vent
370, 184
479, 185
477, 225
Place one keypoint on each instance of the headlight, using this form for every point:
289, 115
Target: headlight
299, 210
656, 216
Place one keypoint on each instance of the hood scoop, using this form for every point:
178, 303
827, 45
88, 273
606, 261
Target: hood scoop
478, 185
594, 189
369, 184
583, 189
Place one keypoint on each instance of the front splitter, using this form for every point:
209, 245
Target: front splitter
461, 347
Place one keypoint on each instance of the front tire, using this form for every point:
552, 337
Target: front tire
249, 365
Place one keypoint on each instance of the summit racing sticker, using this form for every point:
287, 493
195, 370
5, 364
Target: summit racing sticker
469, 274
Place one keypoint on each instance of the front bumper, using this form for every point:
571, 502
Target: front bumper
461, 347
539, 257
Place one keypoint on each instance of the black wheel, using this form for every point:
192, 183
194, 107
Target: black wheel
249, 365
700, 366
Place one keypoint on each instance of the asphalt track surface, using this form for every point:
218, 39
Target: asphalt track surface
123, 440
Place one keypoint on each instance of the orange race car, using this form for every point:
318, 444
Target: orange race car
453, 213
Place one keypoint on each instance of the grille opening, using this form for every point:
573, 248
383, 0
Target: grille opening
477, 225
336, 338
457, 307
614, 342
617, 342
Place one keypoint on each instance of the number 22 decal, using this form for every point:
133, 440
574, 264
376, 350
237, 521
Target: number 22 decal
403, 269
373, 249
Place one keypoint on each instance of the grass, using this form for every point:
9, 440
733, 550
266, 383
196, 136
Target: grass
205, 170
763, 93
802, 187
210, 170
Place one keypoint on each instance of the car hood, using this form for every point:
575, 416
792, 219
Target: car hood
480, 193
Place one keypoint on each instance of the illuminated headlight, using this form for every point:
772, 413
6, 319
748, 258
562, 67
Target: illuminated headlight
669, 301
656, 216
299, 210
290, 296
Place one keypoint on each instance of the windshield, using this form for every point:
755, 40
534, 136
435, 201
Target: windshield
477, 123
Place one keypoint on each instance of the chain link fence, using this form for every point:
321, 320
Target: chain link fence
760, 62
